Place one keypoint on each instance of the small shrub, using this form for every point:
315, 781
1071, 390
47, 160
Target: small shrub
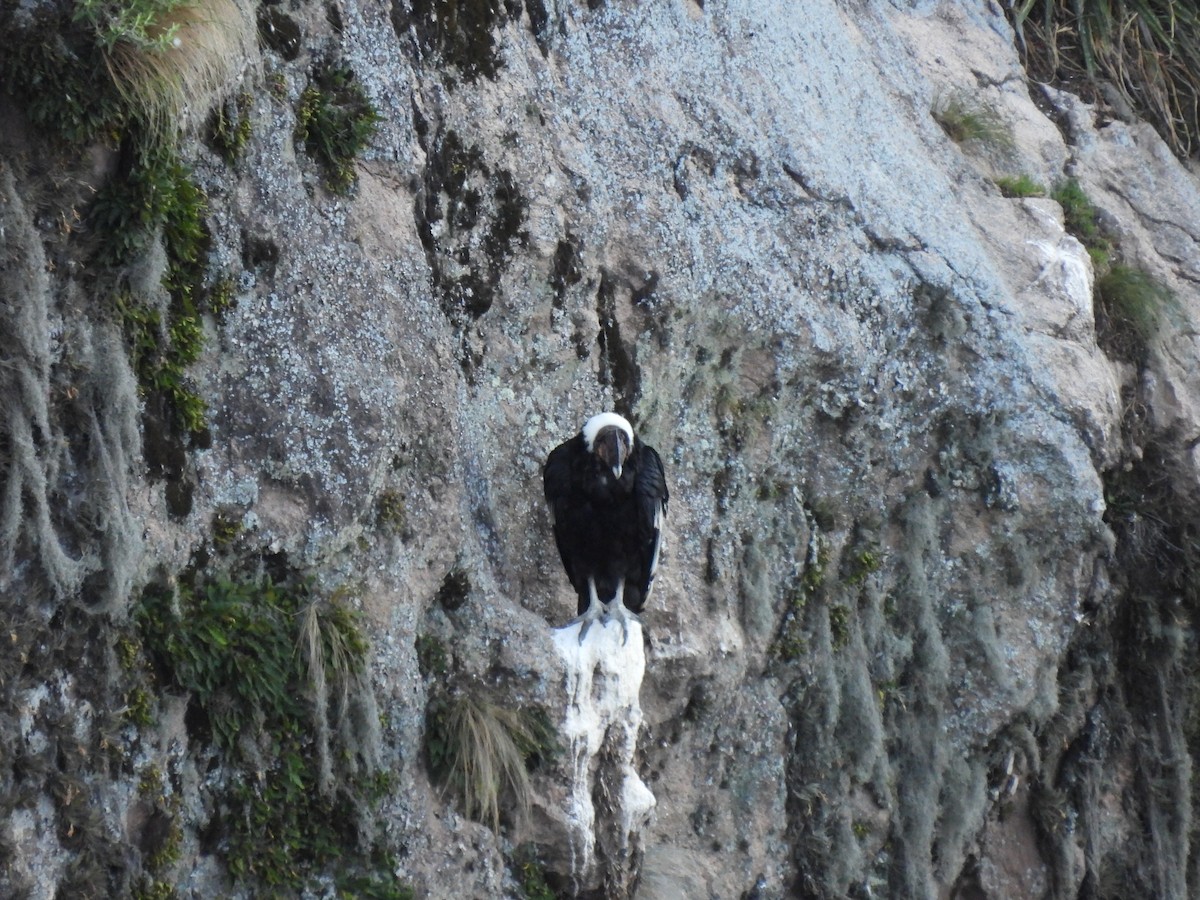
967, 120
1020, 186
334, 122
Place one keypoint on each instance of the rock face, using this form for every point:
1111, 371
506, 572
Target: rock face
923, 623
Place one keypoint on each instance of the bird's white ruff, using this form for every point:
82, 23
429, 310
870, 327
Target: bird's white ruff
597, 423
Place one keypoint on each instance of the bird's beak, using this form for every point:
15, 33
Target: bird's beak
612, 450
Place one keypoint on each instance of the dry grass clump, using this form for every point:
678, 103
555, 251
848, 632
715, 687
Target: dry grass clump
171, 60
479, 751
1143, 54
968, 119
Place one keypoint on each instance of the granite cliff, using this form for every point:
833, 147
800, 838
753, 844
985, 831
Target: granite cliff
923, 623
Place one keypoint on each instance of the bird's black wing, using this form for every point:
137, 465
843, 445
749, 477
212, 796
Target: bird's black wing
652, 495
556, 483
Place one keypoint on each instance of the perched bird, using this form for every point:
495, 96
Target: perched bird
607, 495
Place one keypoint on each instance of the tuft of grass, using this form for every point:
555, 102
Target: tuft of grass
332, 646
1080, 219
479, 751
1020, 186
1079, 215
1143, 55
335, 121
970, 120
169, 59
1131, 306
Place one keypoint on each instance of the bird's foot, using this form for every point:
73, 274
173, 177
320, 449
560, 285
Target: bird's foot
617, 610
594, 611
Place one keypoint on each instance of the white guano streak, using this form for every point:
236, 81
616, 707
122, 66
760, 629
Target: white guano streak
604, 680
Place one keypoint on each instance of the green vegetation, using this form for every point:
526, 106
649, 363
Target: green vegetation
57, 72
335, 122
862, 564
229, 129
138, 708
1079, 218
123, 72
1130, 303
531, 875
259, 660
791, 644
160, 358
480, 751
166, 56
969, 120
222, 298
1140, 54
144, 24
390, 511
1020, 186
1130, 309
432, 658
839, 625
226, 527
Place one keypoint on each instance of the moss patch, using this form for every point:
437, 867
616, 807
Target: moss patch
461, 32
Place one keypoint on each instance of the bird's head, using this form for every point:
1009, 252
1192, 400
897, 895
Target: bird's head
610, 437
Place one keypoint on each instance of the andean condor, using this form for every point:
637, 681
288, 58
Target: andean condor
607, 496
